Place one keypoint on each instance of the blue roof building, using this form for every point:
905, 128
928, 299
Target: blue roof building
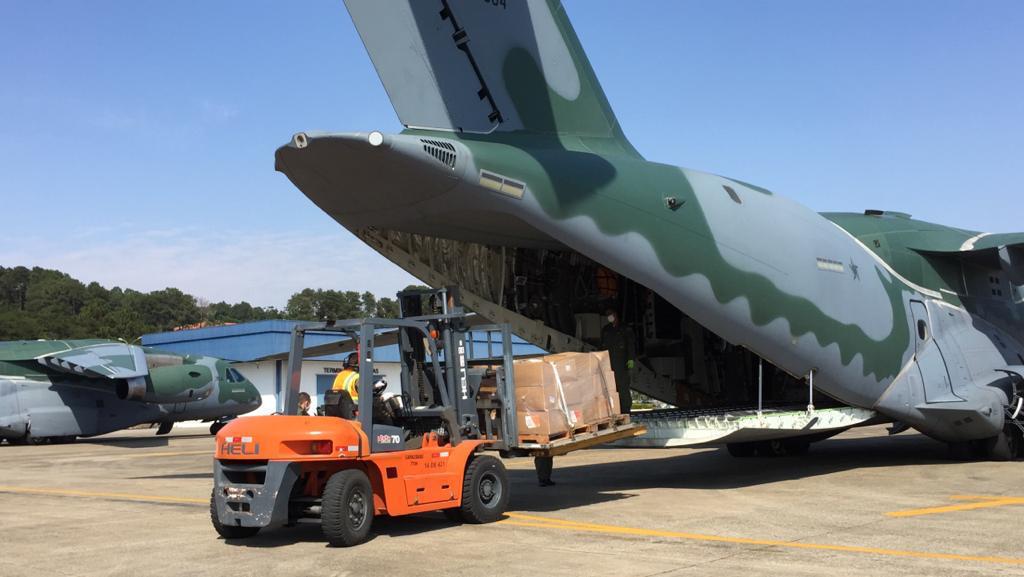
262, 340
261, 348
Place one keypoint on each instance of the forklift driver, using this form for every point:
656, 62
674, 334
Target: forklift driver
348, 379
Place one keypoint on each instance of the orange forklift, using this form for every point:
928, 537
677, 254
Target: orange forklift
418, 452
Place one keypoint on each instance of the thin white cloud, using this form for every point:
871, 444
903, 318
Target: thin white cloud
228, 265
111, 120
216, 112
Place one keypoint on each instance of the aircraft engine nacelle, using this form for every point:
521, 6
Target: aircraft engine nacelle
131, 389
169, 384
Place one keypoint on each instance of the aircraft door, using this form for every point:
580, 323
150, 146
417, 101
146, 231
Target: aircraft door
930, 362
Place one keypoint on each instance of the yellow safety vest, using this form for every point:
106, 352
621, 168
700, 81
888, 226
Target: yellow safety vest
347, 380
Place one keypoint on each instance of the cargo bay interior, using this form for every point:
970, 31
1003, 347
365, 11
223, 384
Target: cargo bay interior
555, 298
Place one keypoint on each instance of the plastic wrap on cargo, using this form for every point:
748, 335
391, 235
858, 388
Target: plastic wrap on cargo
558, 393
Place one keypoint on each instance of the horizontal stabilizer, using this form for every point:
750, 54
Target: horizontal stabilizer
108, 360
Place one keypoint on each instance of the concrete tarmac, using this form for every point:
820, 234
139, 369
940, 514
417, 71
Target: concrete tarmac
859, 504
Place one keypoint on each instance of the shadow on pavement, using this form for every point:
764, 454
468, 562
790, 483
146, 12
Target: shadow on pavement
310, 532
148, 441
589, 484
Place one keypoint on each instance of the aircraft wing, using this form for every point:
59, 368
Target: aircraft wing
107, 360
998, 251
978, 242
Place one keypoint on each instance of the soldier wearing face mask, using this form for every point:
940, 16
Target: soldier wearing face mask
618, 340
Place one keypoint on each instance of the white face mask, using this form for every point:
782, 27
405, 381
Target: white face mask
611, 318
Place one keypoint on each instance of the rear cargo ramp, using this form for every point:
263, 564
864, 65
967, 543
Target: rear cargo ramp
691, 428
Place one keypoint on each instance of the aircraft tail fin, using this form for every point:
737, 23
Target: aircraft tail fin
485, 66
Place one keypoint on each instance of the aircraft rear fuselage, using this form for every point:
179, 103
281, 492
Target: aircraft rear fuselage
760, 270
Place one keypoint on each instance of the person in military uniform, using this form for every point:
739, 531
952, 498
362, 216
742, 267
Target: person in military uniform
544, 465
618, 340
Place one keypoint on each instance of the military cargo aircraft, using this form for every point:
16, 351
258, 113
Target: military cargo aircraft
514, 180
55, 391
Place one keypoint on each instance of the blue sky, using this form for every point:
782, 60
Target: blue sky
137, 137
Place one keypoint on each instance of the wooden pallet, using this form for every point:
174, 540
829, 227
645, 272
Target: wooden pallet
605, 424
582, 441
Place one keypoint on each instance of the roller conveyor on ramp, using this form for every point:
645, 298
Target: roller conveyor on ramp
693, 427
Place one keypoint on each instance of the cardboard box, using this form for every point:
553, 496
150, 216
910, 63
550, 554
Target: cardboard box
544, 423
537, 399
564, 391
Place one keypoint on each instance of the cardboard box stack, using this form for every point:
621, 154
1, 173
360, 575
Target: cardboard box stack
559, 393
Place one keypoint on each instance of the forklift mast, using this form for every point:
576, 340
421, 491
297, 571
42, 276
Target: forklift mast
441, 376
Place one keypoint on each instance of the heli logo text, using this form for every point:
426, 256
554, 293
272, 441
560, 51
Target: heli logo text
238, 446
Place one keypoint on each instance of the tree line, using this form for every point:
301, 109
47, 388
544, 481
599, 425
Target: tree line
38, 303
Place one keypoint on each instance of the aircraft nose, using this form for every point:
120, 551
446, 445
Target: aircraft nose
255, 400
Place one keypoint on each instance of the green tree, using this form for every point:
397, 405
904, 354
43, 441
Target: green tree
14, 287
43, 303
302, 305
168, 308
387, 308
323, 304
369, 303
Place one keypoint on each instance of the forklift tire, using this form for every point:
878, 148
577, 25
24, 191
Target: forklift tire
228, 531
485, 490
347, 508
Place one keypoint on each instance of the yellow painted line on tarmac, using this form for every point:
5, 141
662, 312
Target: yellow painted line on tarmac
534, 521
977, 502
983, 497
103, 495
522, 520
